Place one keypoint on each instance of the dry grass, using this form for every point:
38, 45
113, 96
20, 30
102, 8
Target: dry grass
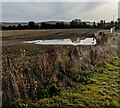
27, 67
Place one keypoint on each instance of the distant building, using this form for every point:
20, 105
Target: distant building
112, 30
89, 23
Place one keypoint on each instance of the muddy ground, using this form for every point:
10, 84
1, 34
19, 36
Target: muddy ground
13, 37
26, 64
46, 34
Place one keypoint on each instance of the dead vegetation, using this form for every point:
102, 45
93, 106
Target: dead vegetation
42, 74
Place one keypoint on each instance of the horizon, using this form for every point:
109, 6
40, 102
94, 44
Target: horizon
52, 20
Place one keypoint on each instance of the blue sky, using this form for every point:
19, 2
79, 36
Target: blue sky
45, 11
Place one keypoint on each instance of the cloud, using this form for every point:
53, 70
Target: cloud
41, 11
26, 11
105, 11
60, 0
0, 12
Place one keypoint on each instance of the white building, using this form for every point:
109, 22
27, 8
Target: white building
89, 23
112, 30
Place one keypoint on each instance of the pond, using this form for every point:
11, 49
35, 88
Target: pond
72, 41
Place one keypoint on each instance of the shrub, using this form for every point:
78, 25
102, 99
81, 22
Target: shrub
49, 91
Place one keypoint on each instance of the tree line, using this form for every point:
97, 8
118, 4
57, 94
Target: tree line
77, 23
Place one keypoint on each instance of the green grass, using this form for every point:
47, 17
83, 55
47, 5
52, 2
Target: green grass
97, 88
102, 90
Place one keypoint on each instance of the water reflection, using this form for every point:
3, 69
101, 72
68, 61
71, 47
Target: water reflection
72, 41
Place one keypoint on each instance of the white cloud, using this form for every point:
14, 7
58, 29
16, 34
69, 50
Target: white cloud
27, 11
40, 11
60, 0
105, 11
0, 12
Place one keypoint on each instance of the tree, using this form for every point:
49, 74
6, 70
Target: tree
118, 20
60, 25
43, 25
83, 24
19, 26
31, 25
102, 24
76, 23
94, 24
112, 22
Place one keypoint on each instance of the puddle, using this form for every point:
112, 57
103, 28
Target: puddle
74, 41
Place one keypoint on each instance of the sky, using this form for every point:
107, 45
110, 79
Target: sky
65, 11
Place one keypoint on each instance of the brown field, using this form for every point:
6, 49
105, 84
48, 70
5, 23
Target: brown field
46, 34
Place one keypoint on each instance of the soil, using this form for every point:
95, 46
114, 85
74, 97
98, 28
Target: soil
25, 64
13, 37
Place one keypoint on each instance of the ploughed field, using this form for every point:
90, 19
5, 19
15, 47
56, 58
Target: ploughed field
46, 34
60, 75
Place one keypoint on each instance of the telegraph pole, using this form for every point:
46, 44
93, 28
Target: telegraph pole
113, 19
